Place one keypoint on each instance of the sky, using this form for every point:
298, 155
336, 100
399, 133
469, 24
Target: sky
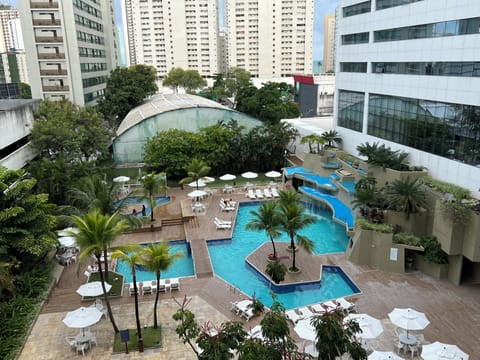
322, 8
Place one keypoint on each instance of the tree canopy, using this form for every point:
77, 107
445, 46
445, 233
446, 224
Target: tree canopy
76, 133
126, 89
190, 80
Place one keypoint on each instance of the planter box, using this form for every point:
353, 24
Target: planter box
438, 271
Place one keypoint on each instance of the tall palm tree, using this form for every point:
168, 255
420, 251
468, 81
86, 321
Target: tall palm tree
152, 184
313, 139
97, 232
267, 219
288, 197
131, 255
406, 195
157, 258
195, 171
332, 136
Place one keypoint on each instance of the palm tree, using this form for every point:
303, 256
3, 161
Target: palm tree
295, 219
406, 195
365, 192
332, 136
276, 270
368, 150
131, 255
311, 140
156, 258
267, 218
96, 232
94, 193
195, 171
152, 184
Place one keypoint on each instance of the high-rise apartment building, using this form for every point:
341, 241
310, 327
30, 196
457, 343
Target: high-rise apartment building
175, 33
408, 75
270, 38
73, 47
329, 43
8, 14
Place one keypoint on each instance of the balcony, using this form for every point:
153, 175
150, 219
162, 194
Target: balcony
53, 72
46, 22
48, 39
50, 56
55, 88
44, 5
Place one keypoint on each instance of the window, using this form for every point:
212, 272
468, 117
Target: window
385, 4
359, 38
356, 9
360, 67
454, 68
350, 109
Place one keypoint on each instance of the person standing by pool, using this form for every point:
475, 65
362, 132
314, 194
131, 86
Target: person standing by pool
144, 210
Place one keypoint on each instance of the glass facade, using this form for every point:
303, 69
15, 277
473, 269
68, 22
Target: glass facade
385, 4
440, 29
456, 68
360, 67
89, 67
445, 129
97, 80
350, 109
358, 38
356, 9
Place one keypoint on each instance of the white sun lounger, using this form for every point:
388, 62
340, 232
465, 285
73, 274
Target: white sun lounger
267, 193
220, 221
275, 193
293, 316
306, 312
251, 194
256, 332
259, 194
347, 305
221, 226
225, 207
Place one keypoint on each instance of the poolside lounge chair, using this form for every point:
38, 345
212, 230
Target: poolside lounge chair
256, 332
247, 314
347, 305
275, 193
267, 193
161, 286
221, 226
251, 194
174, 284
320, 308
224, 207
293, 316
228, 203
306, 312
131, 289
259, 194
147, 287
220, 221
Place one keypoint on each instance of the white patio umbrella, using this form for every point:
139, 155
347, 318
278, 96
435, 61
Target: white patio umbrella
371, 327
207, 179
408, 319
82, 317
383, 355
68, 231
227, 177
67, 241
273, 174
197, 193
93, 288
441, 351
121, 179
249, 175
198, 183
305, 330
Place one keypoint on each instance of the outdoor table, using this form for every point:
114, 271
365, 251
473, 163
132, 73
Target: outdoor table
83, 337
409, 339
228, 189
198, 207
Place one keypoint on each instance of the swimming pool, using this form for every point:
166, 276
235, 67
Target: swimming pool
137, 200
228, 261
180, 267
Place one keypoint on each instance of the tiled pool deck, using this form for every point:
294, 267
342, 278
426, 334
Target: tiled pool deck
453, 310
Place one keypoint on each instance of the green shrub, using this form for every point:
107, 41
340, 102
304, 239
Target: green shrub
407, 239
365, 225
456, 211
447, 188
433, 250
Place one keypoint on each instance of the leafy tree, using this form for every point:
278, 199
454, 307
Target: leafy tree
126, 89
25, 91
156, 258
382, 156
313, 139
62, 128
94, 193
365, 192
96, 232
152, 184
276, 270
295, 219
334, 337
190, 79
236, 79
195, 171
332, 136
406, 195
267, 219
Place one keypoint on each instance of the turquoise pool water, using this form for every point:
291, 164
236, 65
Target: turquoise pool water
137, 200
228, 260
180, 267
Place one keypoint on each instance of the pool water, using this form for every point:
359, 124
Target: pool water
180, 267
137, 200
228, 261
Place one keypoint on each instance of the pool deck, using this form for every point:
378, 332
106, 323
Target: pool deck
452, 310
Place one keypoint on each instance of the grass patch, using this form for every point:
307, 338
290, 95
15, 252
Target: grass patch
152, 338
114, 279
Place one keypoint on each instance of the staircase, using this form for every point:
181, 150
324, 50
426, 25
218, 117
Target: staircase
172, 221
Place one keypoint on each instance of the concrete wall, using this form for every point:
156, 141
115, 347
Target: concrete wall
416, 224
19, 158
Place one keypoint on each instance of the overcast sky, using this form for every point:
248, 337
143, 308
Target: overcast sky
322, 8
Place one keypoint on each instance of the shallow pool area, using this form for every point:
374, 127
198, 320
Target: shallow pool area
138, 201
228, 261
180, 268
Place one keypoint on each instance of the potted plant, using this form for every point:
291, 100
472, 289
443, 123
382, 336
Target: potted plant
257, 306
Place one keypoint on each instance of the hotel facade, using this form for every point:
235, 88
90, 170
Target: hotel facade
408, 75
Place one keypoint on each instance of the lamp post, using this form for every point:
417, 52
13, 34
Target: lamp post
285, 154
